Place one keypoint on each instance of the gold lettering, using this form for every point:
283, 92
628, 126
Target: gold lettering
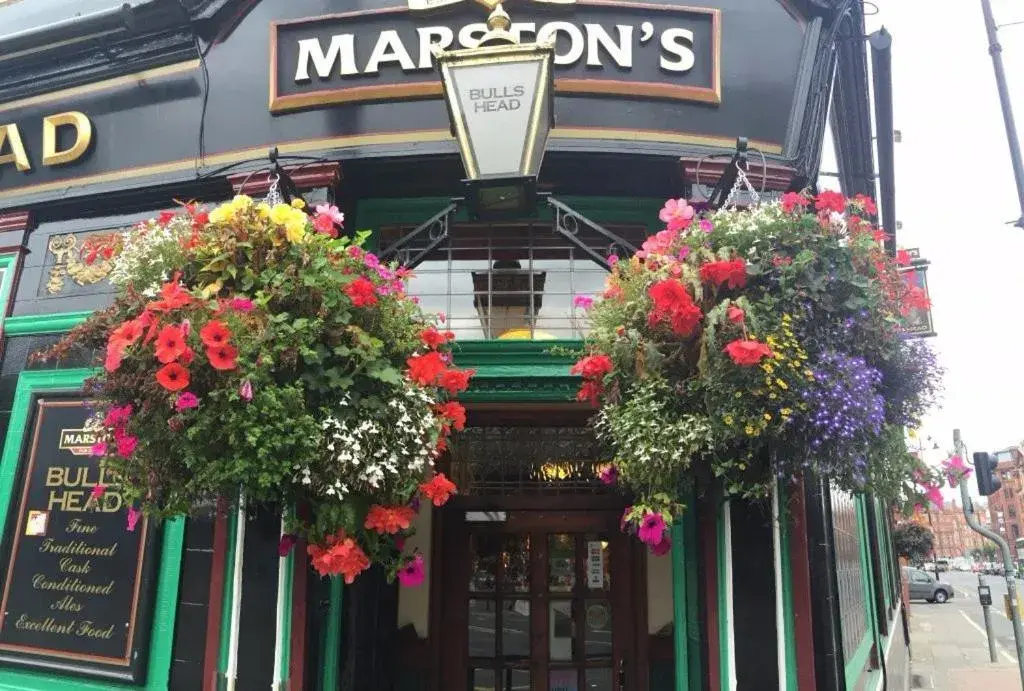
68, 501
71, 584
83, 138
67, 604
77, 548
69, 565
18, 156
54, 476
87, 630
76, 525
48, 625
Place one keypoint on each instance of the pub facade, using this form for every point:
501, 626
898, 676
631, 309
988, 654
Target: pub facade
111, 114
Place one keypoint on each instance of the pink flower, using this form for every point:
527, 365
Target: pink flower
245, 390
118, 415
413, 573
285, 544
583, 301
613, 259
331, 212
186, 400
706, 225
610, 475
99, 449
662, 548
659, 243
735, 314
186, 327
676, 214
133, 518
126, 445
934, 495
684, 252
956, 470
371, 260
355, 252
242, 304
97, 491
652, 529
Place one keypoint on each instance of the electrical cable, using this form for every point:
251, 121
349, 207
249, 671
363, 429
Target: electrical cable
201, 144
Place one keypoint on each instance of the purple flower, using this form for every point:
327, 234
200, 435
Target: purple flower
583, 301
652, 529
185, 401
413, 573
610, 475
245, 391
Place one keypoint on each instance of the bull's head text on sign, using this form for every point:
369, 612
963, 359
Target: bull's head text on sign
601, 48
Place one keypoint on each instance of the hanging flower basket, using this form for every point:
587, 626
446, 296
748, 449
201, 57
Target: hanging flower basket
739, 332
252, 349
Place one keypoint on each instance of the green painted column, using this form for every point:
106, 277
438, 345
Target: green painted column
680, 616
332, 637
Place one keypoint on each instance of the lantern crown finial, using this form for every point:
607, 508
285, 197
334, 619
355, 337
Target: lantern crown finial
498, 25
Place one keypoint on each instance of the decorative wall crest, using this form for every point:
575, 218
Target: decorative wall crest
86, 265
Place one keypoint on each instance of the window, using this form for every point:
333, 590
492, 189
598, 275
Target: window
853, 608
509, 280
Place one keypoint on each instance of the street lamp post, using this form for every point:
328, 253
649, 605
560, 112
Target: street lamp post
500, 103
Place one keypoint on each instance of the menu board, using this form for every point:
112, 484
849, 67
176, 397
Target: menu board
77, 594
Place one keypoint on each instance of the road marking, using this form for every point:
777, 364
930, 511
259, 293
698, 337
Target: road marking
1009, 658
967, 593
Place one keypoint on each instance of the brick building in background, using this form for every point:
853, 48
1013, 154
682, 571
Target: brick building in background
1006, 507
953, 537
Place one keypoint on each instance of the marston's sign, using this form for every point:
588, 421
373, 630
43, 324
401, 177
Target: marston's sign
76, 593
610, 48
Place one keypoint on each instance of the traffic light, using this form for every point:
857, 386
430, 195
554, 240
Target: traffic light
988, 481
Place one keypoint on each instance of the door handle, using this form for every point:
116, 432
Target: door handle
622, 674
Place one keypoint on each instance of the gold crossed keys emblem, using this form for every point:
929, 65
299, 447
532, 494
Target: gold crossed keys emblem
423, 5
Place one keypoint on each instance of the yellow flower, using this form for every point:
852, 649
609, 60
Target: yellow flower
263, 209
768, 417
767, 368
786, 411
281, 213
295, 229
298, 204
773, 396
222, 214
750, 430
782, 384
727, 419
241, 202
739, 394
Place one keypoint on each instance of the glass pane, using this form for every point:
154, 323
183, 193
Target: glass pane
482, 679
561, 562
515, 554
599, 679
483, 555
517, 680
599, 563
562, 632
481, 628
597, 634
515, 629
563, 680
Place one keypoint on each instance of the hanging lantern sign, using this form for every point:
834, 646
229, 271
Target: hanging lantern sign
918, 322
499, 98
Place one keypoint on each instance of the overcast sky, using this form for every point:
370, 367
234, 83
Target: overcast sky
954, 195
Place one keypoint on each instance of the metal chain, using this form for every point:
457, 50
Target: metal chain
742, 181
274, 193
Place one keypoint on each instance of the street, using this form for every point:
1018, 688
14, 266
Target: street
949, 649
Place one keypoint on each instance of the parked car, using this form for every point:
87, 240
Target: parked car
924, 586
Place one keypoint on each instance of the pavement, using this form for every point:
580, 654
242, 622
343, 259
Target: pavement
949, 648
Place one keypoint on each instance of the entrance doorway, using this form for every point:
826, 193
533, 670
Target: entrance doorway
538, 600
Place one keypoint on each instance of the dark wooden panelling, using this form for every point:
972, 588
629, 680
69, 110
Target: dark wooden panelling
753, 582
259, 601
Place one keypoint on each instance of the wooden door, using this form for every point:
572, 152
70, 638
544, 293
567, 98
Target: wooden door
537, 601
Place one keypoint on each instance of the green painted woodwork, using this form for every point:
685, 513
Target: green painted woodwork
229, 593
166, 603
857, 664
724, 622
680, 604
8, 263
332, 637
30, 324
694, 633
288, 564
785, 529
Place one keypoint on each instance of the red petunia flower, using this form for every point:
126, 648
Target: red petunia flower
388, 520
215, 333
747, 353
172, 297
454, 380
593, 366
735, 314
830, 201
453, 413
173, 377
361, 292
732, 273
115, 354
794, 201
128, 333
438, 489
425, 369
222, 357
170, 344
324, 224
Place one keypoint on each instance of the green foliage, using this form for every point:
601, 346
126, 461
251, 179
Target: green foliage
913, 541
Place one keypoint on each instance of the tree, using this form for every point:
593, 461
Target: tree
913, 541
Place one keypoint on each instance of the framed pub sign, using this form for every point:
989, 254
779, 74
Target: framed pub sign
78, 593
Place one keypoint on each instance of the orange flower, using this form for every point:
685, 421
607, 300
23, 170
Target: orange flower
128, 333
438, 489
340, 555
170, 344
173, 377
215, 334
389, 519
172, 296
747, 353
222, 357
115, 354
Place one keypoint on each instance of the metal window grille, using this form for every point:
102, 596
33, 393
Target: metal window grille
514, 280
853, 612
